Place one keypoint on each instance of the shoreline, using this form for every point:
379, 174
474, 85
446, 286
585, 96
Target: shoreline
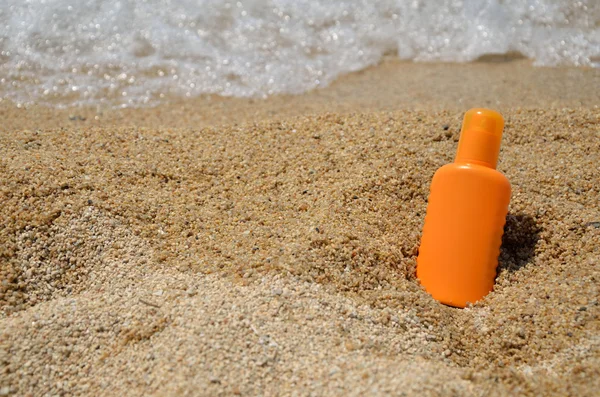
390, 85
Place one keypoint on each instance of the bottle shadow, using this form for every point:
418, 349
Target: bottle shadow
521, 235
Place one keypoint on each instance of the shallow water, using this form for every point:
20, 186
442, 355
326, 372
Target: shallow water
132, 53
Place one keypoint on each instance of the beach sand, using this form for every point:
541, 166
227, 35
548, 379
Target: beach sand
220, 246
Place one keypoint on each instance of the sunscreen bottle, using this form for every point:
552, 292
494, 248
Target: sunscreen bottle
466, 212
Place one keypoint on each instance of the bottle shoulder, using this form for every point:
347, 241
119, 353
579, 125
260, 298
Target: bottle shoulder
458, 170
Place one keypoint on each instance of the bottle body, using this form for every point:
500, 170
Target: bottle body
460, 245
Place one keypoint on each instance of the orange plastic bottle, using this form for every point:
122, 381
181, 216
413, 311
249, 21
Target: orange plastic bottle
467, 208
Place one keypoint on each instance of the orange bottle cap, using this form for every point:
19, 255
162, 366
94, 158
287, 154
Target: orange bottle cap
480, 138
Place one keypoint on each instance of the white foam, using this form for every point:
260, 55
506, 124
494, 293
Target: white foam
85, 51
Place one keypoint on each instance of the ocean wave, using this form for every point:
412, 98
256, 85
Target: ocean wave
131, 53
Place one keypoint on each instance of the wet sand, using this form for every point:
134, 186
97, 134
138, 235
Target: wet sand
267, 247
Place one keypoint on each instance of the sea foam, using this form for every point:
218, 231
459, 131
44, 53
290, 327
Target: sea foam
136, 52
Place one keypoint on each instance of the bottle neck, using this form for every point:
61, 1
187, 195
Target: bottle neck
477, 146
474, 162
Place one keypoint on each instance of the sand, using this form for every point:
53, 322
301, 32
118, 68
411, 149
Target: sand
267, 247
